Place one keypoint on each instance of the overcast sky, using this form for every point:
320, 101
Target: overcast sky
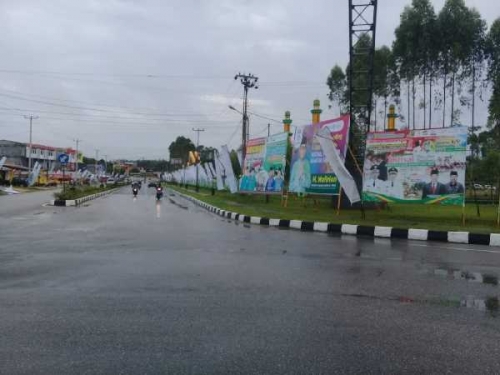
128, 76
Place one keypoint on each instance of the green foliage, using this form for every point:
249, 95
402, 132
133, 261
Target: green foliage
153, 165
235, 163
492, 50
179, 149
336, 82
75, 192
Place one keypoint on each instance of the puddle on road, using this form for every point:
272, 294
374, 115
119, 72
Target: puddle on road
489, 305
473, 277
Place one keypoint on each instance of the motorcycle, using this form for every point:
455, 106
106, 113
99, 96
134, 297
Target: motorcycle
159, 193
135, 191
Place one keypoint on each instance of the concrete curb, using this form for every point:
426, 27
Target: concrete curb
79, 201
492, 239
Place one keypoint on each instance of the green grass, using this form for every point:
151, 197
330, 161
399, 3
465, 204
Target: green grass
397, 215
81, 191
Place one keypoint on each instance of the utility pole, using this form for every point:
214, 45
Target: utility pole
95, 163
268, 129
77, 141
197, 130
248, 81
31, 118
106, 164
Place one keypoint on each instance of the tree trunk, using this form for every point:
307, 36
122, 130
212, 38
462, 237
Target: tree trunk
444, 98
425, 98
385, 112
430, 101
473, 95
375, 113
413, 99
452, 98
408, 100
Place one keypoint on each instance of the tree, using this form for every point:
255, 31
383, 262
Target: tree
235, 163
460, 31
360, 98
425, 30
493, 55
404, 48
382, 64
336, 82
179, 149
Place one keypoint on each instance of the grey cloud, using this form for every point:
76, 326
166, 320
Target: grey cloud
168, 57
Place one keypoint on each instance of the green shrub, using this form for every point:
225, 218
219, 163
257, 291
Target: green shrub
75, 192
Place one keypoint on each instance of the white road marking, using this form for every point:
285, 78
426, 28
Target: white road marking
459, 248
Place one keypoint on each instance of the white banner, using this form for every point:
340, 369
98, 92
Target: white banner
225, 158
219, 169
34, 174
332, 157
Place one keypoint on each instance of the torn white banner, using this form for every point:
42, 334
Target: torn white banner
333, 158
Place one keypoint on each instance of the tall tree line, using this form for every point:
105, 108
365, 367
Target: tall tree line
438, 63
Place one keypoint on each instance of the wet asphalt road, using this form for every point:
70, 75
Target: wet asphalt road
126, 286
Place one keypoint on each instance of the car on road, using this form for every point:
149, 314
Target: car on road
110, 181
152, 184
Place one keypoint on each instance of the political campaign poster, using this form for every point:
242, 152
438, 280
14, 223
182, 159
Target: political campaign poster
275, 162
253, 167
264, 166
310, 172
416, 166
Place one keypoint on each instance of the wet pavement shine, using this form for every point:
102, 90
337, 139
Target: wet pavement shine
132, 286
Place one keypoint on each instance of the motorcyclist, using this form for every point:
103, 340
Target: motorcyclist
135, 188
159, 191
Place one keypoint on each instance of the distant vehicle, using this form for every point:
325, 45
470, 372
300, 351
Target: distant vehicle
111, 181
152, 184
478, 186
18, 181
159, 193
487, 187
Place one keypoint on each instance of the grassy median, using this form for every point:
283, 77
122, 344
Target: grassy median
76, 192
396, 215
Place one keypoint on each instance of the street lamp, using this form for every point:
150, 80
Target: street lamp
234, 109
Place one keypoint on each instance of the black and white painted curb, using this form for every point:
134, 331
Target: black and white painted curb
79, 201
492, 239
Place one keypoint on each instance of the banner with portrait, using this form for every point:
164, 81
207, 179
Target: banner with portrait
416, 166
310, 172
264, 166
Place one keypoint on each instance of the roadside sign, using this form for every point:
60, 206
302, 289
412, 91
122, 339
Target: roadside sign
63, 158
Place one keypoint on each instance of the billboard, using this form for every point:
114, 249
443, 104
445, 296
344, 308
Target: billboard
310, 172
264, 167
416, 166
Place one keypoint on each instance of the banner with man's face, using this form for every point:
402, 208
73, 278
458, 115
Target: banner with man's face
265, 162
416, 166
310, 171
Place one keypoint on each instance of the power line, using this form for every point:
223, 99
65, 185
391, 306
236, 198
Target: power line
120, 108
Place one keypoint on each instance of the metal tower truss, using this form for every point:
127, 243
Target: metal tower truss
362, 27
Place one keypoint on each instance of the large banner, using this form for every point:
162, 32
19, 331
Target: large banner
264, 167
416, 166
225, 160
311, 173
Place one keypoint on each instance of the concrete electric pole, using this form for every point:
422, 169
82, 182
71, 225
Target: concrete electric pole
95, 164
198, 130
248, 81
31, 118
77, 141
